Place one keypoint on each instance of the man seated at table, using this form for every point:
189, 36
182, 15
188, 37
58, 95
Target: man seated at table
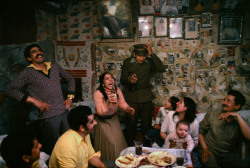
220, 131
74, 148
21, 149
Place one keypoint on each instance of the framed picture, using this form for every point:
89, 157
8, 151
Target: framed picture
145, 26
199, 6
115, 20
147, 7
176, 28
182, 6
174, 7
206, 19
161, 26
230, 30
192, 28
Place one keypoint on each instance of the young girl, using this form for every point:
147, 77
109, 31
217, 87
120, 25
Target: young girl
153, 133
181, 139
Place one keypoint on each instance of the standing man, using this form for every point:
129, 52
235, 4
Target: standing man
220, 132
74, 148
135, 76
41, 81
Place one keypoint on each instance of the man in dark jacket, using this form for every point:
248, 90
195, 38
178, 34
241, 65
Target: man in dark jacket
135, 76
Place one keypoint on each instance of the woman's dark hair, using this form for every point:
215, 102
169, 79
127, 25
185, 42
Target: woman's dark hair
27, 50
101, 88
239, 99
191, 109
173, 101
79, 116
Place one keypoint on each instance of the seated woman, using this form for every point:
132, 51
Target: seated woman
185, 110
108, 135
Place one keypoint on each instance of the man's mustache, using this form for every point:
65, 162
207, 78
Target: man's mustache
224, 106
39, 55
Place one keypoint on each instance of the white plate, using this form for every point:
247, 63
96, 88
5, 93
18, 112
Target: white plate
156, 158
121, 165
148, 166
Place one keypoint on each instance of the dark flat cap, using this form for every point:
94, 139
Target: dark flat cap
140, 50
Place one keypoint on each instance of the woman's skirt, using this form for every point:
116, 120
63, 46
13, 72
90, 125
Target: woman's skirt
109, 138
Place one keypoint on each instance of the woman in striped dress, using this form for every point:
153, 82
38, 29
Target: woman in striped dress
108, 135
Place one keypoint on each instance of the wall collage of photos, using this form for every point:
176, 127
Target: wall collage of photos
203, 58
198, 67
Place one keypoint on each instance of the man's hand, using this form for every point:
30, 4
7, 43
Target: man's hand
39, 104
149, 49
228, 116
67, 103
205, 154
133, 78
157, 126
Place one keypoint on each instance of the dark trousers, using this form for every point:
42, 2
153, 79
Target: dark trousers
50, 129
227, 160
153, 135
144, 111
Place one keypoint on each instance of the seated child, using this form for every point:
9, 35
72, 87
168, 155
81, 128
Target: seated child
153, 134
181, 139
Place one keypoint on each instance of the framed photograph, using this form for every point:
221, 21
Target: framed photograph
182, 6
192, 28
206, 19
145, 26
199, 6
174, 7
147, 7
230, 30
176, 28
115, 20
161, 26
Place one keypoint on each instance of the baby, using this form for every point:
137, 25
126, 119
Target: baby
181, 139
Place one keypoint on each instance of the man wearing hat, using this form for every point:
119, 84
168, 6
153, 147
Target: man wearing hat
135, 77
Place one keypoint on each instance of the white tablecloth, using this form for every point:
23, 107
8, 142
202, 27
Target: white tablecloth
175, 152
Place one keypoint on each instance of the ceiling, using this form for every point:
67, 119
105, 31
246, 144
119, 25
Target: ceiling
60, 6
54, 6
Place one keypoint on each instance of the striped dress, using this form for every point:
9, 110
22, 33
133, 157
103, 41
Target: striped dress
108, 135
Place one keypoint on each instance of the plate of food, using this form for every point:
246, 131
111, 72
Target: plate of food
161, 158
127, 161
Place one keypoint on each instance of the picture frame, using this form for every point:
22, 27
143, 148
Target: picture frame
146, 7
199, 6
145, 26
161, 26
115, 21
176, 27
192, 28
230, 30
206, 20
174, 8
